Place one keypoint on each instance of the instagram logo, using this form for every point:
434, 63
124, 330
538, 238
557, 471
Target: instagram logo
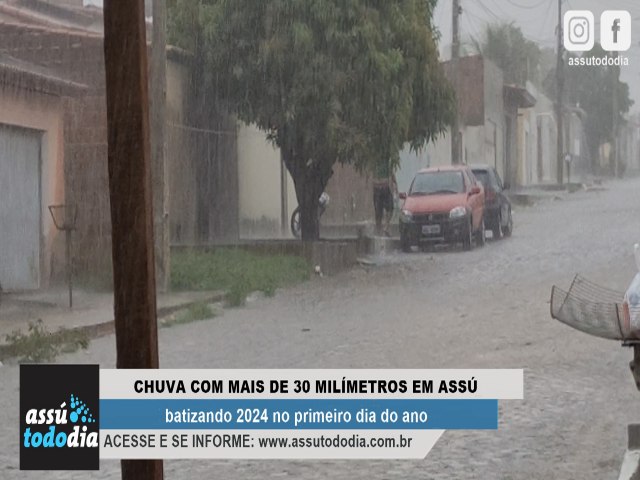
579, 30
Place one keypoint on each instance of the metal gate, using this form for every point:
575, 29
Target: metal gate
20, 208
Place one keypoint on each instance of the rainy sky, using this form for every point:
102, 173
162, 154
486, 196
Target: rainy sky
537, 19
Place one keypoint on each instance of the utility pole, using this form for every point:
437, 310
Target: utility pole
455, 55
129, 165
560, 98
615, 72
284, 208
159, 171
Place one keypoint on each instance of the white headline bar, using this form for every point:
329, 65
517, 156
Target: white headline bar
311, 383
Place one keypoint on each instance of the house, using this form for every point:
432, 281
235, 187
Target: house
63, 42
267, 195
487, 131
536, 150
511, 127
32, 111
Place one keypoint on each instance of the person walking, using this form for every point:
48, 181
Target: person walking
384, 190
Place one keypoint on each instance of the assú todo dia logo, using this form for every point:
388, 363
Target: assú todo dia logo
76, 412
59, 417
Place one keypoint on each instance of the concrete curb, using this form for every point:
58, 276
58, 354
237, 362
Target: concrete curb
107, 328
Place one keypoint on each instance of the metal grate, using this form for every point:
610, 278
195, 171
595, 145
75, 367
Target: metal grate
592, 309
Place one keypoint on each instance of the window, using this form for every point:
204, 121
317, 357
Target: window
437, 182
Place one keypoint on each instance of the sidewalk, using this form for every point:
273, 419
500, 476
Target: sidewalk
530, 195
91, 312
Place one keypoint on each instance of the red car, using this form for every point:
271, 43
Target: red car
445, 205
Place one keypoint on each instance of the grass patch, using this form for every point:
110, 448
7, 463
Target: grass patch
237, 272
195, 312
40, 345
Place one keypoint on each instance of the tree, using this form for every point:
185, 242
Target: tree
508, 48
327, 80
596, 89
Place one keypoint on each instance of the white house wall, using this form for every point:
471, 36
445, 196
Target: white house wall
431, 155
259, 173
44, 114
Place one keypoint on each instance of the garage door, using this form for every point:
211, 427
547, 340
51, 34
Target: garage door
20, 219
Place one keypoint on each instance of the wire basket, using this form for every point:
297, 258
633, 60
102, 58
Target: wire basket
64, 216
593, 309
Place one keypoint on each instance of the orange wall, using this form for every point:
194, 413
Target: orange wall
44, 113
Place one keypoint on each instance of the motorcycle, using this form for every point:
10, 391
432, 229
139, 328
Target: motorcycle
296, 225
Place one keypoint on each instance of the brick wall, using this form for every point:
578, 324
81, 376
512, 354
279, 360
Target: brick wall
351, 197
471, 89
77, 57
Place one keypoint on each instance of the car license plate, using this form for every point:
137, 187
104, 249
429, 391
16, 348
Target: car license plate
431, 229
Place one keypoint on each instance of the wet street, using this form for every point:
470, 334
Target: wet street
487, 308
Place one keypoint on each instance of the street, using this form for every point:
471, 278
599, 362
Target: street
487, 308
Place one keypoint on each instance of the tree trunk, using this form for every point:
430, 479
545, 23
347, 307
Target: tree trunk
310, 177
308, 191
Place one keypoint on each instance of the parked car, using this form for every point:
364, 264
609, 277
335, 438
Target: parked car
445, 205
497, 207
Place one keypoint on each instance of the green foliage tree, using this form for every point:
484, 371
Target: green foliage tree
327, 80
597, 90
507, 47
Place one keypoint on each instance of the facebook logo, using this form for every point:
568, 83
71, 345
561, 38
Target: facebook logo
615, 30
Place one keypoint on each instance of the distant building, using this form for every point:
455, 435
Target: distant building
511, 127
488, 112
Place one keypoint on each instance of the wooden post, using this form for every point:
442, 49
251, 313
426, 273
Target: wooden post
130, 194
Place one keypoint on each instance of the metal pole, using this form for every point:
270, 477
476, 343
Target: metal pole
560, 98
614, 116
455, 55
284, 221
129, 165
159, 170
69, 265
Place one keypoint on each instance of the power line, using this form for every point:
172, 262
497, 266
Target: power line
540, 41
500, 10
481, 28
549, 9
489, 11
472, 29
527, 7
